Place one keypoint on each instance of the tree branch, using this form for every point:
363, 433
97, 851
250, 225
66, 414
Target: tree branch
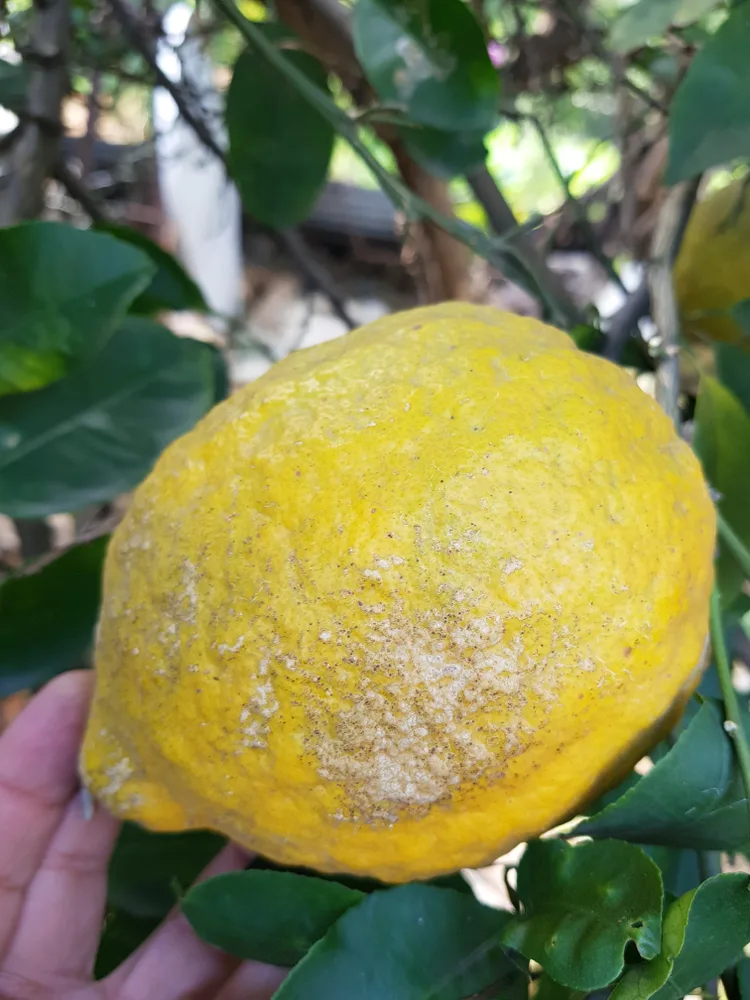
36, 148
625, 321
670, 226
504, 223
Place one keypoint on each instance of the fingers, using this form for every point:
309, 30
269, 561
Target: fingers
252, 981
58, 930
38, 775
174, 963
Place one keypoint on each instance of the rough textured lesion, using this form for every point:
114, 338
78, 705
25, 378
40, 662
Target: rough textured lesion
424, 718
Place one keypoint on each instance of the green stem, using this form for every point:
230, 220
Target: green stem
734, 724
734, 543
414, 208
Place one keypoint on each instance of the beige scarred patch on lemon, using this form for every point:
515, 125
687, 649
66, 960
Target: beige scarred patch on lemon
410, 598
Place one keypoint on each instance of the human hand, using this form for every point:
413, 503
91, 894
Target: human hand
53, 879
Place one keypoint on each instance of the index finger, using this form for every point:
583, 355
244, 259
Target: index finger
38, 775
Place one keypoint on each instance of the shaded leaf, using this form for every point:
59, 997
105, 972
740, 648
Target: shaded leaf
414, 942
47, 618
121, 936
642, 21
733, 370
171, 287
691, 798
445, 154
582, 905
13, 80
722, 442
147, 870
273, 917
705, 932
709, 120
430, 58
62, 293
98, 432
279, 149
679, 868
548, 989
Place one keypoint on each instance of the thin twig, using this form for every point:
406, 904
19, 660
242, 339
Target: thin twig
504, 223
134, 32
626, 320
734, 543
315, 272
77, 189
578, 210
734, 724
670, 227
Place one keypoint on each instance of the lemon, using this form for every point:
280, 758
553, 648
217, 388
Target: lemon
712, 271
407, 600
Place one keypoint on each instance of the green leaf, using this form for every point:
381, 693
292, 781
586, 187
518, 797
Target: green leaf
740, 313
679, 868
733, 370
47, 618
171, 286
642, 21
692, 798
279, 150
445, 154
722, 442
147, 870
705, 932
62, 293
709, 120
430, 58
548, 989
98, 432
122, 934
414, 942
643, 980
13, 82
582, 905
273, 917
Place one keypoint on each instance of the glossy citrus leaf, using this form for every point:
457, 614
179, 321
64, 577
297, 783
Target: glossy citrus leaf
62, 293
279, 150
709, 120
429, 58
414, 942
705, 932
97, 433
47, 618
171, 287
273, 917
582, 905
722, 442
148, 871
692, 798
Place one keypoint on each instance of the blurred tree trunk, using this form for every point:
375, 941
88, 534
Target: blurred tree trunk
35, 151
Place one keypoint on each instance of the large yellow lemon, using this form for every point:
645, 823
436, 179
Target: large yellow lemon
407, 600
712, 271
